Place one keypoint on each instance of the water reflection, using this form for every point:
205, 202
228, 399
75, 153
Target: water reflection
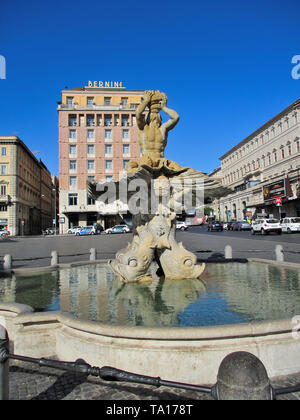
227, 293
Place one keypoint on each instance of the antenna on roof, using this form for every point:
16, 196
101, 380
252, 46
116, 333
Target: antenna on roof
36, 152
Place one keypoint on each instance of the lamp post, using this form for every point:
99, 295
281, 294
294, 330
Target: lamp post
55, 218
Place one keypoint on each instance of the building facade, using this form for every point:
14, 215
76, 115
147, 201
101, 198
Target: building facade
98, 136
25, 189
263, 171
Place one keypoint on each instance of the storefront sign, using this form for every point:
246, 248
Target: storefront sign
273, 191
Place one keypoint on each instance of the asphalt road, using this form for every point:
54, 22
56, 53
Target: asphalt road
35, 251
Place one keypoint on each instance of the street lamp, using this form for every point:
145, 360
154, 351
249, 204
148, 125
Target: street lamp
55, 218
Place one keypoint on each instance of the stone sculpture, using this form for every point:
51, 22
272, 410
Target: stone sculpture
154, 232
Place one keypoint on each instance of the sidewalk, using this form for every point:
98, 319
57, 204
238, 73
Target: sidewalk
28, 381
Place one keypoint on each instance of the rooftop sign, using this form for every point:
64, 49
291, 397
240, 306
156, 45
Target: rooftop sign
101, 84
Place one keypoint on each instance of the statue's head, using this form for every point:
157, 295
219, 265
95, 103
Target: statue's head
154, 118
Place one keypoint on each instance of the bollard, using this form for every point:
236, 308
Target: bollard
279, 253
228, 251
242, 376
4, 365
7, 262
93, 254
54, 258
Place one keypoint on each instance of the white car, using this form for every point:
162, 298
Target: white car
74, 230
124, 227
181, 226
4, 232
290, 224
265, 226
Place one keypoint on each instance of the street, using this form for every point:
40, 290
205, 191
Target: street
35, 251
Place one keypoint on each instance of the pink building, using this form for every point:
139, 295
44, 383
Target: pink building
98, 135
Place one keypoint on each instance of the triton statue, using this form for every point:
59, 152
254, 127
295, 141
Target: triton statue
166, 182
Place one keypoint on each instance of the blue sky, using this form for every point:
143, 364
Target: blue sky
225, 65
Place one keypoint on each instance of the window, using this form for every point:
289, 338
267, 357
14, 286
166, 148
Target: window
124, 101
90, 134
72, 164
125, 163
108, 177
289, 149
72, 149
3, 151
91, 178
3, 190
108, 149
90, 201
297, 145
3, 170
90, 120
107, 120
125, 133
125, 121
3, 207
126, 149
72, 181
72, 199
91, 149
107, 100
72, 120
91, 164
282, 153
90, 100
70, 100
107, 134
72, 134
108, 164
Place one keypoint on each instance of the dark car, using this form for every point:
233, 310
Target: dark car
230, 225
218, 226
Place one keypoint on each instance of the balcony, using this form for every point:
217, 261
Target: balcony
5, 199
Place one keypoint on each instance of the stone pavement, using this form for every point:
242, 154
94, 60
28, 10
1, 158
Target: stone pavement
28, 381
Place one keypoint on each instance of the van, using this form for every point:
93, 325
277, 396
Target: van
290, 224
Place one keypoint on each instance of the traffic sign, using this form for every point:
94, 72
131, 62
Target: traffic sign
278, 201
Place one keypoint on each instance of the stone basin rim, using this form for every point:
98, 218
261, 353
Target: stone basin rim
24, 315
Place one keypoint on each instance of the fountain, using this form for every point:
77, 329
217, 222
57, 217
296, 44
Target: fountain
165, 187
153, 280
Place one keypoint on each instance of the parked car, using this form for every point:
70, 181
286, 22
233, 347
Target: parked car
229, 225
243, 225
118, 229
87, 230
125, 228
218, 226
181, 225
4, 233
48, 231
290, 224
265, 226
73, 230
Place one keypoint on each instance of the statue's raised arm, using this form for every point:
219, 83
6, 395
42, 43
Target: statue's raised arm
174, 117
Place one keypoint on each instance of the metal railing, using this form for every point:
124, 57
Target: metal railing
231, 383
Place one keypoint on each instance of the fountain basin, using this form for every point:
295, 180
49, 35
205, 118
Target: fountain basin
185, 354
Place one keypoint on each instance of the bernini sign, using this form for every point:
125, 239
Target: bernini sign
101, 84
